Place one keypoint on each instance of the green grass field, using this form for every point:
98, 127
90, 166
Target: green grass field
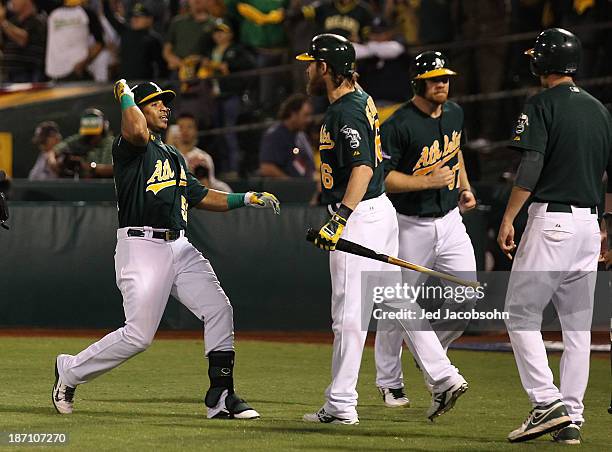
154, 401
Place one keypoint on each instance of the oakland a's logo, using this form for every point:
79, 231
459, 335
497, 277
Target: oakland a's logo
325, 141
433, 157
163, 177
522, 123
352, 135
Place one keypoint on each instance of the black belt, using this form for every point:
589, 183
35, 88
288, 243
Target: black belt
565, 208
432, 215
167, 235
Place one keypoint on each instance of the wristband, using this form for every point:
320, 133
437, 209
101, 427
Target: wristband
127, 102
344, 212
235, 200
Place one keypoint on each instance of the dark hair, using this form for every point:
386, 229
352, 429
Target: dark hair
187, 114
292, 104
338, 79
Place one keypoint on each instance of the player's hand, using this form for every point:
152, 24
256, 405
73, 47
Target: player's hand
330, 232
467, 200
122, 89
441, 177
262, 200
505, 238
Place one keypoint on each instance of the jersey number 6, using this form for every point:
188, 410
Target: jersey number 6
326, 176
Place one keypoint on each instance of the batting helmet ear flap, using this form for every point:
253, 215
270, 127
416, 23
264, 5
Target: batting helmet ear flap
418, 87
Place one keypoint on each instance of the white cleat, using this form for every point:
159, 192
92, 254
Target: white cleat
62, 395
442, 402
394, 398
322, 417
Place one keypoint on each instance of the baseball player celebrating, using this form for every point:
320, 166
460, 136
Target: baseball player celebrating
352, 186
154, 259
428, 186
565, 136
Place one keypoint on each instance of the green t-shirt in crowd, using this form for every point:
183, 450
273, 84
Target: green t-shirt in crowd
417, 144
573, 131
349, 137
268, 36
190, 37
154, 186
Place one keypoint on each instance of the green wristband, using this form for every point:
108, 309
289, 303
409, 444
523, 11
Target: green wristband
235, 200
127, 102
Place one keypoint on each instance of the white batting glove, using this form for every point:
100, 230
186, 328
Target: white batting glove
262, 200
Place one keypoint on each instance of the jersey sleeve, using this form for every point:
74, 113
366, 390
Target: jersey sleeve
530, 132
194, 191
391, 145
355, 140
125, 151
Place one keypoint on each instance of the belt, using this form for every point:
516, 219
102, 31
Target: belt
565, 208
168, 235
432, 215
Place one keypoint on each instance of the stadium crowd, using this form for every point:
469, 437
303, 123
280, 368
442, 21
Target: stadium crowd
198, 47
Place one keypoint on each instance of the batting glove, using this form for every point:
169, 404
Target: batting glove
331, 231
262, 200
122, 89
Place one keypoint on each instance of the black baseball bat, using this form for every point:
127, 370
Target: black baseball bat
354, 248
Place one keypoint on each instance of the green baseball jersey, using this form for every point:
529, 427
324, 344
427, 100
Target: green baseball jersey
416, 144
573, 131
154, 187
353, 21
349, 137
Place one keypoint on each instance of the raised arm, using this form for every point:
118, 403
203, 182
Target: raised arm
133, 122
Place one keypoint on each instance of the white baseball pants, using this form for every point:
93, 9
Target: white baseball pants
555, 261
148, 270
444, 245
373, 224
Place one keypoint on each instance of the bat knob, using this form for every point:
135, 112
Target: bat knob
311, 235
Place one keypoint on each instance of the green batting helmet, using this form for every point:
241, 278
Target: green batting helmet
334, 50
556, 51
426, 65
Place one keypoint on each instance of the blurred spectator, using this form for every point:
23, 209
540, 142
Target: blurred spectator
285, 151
189, 39
88, 153
405, 15
69, 48
159, 9
46, 136
260, 26
23, 39
184, 135
349, 18
383, 66
226, 58
140, 56
106, 61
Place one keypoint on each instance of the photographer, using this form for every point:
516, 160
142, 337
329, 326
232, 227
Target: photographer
88, 153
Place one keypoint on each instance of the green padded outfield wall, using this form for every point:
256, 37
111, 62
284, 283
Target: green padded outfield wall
57, 268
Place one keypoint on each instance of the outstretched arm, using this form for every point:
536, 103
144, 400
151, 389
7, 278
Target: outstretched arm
219, 201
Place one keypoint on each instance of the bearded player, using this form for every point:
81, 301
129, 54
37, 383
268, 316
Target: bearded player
352, 186
154, 259
565, 137
428, 186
